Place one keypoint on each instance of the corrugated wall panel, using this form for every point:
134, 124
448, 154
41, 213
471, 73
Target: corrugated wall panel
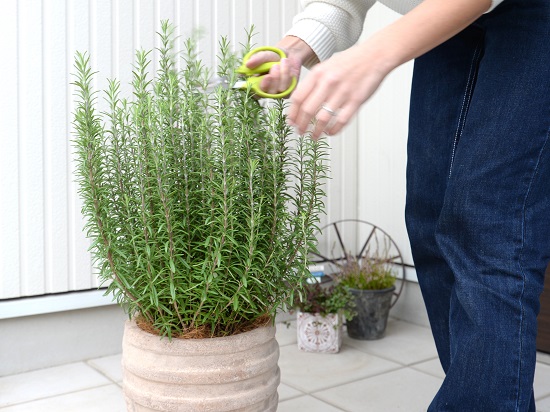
31, 147
9, 153
56, 151
368, 161
123, 42
42, 247
383, 125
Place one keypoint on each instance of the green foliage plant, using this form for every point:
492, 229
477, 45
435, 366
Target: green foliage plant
368, 273
327, 299
201, 204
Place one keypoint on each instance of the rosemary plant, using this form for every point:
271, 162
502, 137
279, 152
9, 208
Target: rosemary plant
201, 206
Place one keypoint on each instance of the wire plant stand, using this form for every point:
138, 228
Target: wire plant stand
369, 239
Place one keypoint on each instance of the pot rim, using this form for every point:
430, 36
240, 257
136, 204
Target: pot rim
373, 291
137, 337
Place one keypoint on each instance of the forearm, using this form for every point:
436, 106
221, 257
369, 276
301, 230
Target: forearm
299, 49
428, 25
423, 28
336, 88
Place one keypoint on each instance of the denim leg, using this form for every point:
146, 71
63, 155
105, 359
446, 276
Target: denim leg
478, 201
442, 83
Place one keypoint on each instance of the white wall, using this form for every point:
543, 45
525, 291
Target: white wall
368, 162
382, 130
42, 247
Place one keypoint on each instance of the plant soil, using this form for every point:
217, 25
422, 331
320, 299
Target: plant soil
204, 331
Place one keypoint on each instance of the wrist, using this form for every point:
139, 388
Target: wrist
426, 26
379, 57
298, 49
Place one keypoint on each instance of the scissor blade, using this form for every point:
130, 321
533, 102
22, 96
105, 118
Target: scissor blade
217, 81
241, 84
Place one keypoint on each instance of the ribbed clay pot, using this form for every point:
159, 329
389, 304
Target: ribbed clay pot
234, 373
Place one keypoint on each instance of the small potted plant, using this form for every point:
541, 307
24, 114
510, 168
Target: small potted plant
201, 206
320, 314
372, 282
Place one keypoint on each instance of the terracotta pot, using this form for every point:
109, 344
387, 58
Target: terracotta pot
235, 373
320, 334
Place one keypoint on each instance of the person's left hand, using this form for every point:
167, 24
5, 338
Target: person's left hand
333, 91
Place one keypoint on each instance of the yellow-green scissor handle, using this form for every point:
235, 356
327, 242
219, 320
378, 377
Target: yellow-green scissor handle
255, 75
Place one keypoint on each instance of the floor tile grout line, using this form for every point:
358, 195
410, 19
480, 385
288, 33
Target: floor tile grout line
405, 365
329, 403
100, 371
433, 375
287, 344
292, 387
314, 397
410, 323
412, 365
290, 398
44, 369
306, 392
314, 394
57, 395
302, 392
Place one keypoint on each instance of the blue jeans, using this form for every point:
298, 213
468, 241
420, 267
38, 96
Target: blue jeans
478, 203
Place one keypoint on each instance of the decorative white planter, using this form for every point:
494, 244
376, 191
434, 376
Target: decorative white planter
234, 373
320, 334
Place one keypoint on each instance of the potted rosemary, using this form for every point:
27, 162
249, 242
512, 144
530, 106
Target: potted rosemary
320, 314
201, 207
372, 282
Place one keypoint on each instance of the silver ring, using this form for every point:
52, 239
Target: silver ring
329, 110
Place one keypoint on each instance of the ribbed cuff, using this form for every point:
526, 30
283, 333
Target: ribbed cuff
494, 3
316, 35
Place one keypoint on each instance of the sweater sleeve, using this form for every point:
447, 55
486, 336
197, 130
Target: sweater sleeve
494, 4
329, 26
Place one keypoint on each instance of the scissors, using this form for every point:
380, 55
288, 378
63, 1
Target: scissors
253, 77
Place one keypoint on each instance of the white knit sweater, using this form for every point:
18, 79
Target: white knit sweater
329, 26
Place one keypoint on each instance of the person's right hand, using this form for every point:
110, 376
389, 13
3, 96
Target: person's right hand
280, 76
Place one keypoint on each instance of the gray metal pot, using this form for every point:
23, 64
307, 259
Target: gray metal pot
373, 308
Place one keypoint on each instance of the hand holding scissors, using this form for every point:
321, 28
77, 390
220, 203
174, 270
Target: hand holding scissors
253, 76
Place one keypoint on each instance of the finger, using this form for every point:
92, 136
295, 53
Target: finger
270, 81
349, 107
298, 114
322, 121
262, 57
285, 76
344, 116
309, 100
327, 116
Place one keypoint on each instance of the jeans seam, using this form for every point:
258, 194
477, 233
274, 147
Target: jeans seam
521, 268
472, 75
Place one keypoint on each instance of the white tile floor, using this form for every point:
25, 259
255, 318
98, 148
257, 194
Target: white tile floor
398, 373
